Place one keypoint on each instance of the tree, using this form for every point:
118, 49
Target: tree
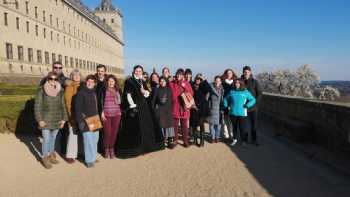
303, 82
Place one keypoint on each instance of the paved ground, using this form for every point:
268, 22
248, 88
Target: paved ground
215, 170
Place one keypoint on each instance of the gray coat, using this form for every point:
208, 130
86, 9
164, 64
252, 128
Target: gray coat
215, 103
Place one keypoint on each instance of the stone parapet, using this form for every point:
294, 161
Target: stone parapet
322, 123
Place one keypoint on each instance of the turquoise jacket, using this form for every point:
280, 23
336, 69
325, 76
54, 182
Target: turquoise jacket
238, 101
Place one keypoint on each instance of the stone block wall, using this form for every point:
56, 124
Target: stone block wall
322, 123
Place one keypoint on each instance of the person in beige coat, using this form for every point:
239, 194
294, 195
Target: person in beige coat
69, 95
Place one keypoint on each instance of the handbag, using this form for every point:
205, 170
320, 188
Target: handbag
94, 123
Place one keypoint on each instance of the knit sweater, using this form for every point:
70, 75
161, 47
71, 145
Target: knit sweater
49, 109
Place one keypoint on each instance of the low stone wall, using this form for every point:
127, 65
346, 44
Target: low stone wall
322, 123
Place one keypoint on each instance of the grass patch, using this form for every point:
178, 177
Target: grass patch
12, 105
10, 89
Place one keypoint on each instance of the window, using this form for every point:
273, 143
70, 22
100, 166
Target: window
53, 57
60, 58
69, 28
30, 54
27, 7
17, 23
27, 26
71, 62
44, 18
76, 63
9, 54
44, 32
64, 40
104, 20
17, 5
65, 61
20, 53
36, 30
51, 35
58, 37
5, 19
84, 64
36, 12
80, 64
47, 57
57, 24
39, 57
112, 20
50, 19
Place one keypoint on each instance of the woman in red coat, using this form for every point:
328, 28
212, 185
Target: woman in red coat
181, 114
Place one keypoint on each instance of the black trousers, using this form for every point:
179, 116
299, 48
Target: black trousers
241, 123
253, 118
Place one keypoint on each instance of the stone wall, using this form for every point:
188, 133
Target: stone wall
322, 123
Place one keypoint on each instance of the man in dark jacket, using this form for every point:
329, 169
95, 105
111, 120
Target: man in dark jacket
56, 68
254, 87
100, 77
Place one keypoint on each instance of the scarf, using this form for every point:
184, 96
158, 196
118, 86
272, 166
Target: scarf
229, 81
52, 90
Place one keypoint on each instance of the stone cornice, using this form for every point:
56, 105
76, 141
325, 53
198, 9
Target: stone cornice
86, 12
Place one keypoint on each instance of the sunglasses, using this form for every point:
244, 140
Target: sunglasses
55, 67
53, 79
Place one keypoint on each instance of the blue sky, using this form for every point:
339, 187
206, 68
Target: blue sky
211, 35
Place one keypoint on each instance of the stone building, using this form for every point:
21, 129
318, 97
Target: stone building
35, 33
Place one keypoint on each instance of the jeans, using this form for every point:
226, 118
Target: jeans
215, 131
241, 123
90, 145
253, 117
110, 131
72, 144
49, 139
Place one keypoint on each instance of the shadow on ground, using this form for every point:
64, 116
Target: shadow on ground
284, 171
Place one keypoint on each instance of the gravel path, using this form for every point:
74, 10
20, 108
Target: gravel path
215, 170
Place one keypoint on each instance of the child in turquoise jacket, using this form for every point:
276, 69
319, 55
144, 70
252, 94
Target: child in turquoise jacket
238, 101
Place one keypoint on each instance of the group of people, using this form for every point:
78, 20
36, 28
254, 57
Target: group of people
149, 114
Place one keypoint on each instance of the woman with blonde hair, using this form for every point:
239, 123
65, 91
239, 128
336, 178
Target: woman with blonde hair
69, 95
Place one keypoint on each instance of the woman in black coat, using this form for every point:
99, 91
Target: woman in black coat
139, 133
163, 106
199, 114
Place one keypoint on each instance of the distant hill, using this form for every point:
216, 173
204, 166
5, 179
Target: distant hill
343, 86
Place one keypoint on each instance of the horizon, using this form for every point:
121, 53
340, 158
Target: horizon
267, 35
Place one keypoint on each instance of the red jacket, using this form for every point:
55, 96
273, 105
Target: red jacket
177, 88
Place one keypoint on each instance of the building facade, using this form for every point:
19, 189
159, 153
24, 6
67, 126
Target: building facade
36, 33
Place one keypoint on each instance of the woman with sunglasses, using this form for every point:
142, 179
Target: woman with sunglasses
51, 115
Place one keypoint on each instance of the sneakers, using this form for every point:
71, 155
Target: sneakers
234, 142
52, 158
46, 162
70, 160
90, 165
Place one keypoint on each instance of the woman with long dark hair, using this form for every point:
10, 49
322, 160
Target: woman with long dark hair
239, 100
110, 101
227, 83
139, 134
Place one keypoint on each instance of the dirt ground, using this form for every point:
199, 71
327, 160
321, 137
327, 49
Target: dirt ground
272, 169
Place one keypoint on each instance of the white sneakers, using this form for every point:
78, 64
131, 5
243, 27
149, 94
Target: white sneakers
234, 142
